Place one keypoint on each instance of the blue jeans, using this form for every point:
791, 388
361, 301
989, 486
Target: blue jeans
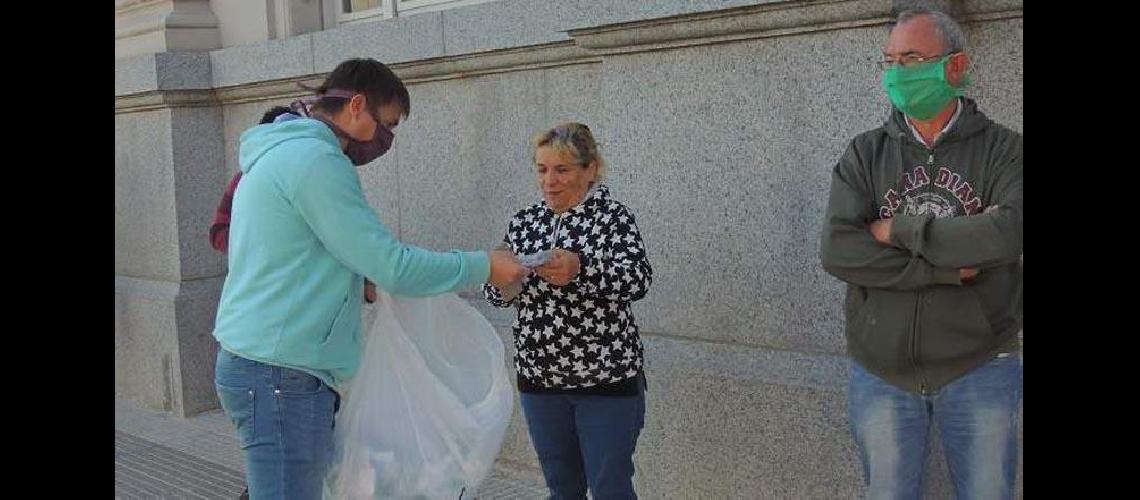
284, 421
584, 440
977, 418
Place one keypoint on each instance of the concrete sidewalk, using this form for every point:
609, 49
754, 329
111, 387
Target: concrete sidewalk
161, 456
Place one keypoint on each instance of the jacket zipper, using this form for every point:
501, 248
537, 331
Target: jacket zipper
922, 383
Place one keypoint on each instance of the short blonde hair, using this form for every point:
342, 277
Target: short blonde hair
574, 140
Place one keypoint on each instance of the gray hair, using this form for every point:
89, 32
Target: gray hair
948, 29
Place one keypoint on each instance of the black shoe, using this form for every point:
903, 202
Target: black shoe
244, 495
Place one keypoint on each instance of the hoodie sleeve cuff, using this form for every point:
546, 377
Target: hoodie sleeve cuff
478, 266
907, 230
942, 276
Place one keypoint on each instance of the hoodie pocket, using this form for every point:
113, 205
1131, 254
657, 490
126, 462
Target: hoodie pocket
855, 304
879, 332
954, 324
860, 305
340, 346
998, 292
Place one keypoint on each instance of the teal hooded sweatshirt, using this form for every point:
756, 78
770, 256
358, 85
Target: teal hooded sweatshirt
302, 239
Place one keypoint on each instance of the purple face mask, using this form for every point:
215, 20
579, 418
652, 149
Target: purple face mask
357, 151
363, 152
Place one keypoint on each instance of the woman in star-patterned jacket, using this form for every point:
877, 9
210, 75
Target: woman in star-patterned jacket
579, 356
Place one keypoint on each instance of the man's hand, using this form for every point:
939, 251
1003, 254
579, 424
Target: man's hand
881, 230
561, 269
505, 269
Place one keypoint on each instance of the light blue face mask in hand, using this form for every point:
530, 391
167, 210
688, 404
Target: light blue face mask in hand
530, 261
533, 260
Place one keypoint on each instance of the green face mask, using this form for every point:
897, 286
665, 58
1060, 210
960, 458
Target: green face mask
920, 91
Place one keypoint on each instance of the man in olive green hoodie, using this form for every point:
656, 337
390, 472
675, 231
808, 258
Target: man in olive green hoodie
924, 224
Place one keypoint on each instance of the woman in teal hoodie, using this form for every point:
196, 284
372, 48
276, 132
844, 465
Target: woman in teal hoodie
302, 239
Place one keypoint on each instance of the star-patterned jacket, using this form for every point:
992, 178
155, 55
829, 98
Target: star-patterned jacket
582, 334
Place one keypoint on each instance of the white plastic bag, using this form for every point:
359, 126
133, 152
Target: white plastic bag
425, 415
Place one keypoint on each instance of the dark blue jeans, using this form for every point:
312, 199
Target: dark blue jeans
585, 440
284, 421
